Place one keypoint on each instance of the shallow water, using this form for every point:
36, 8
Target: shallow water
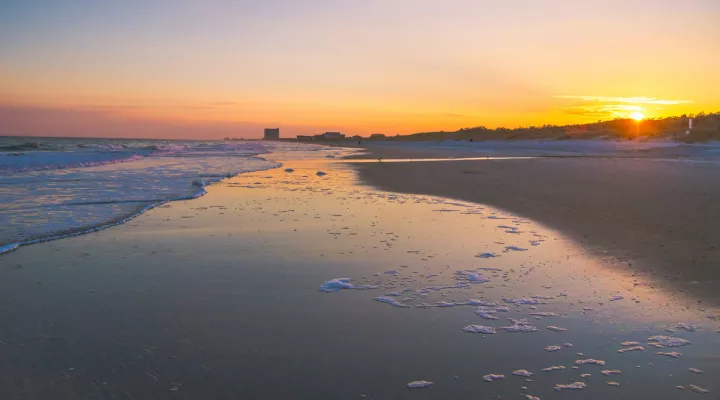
53, 186
218, 298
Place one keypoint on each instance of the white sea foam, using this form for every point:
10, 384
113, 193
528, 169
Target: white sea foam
608, 372
493, 377
687, 327
585, 375
590, 361
556, 328
519, 325
524, 301
612, 383
472, 277
570, 386
484, 303
334, 285
9, 247
630, 343
633, 348
479, 329
486, 255
698, 389
391, 301
486, 313
522, 372
419, 384
544, 314
667, 341
554, 368
673, 354
695, 371
553, 348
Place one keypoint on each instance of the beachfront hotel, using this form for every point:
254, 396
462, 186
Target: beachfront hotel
271, 134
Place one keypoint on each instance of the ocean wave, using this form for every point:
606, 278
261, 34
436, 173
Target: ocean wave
122, 219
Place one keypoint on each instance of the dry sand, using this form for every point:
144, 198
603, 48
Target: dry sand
660, 216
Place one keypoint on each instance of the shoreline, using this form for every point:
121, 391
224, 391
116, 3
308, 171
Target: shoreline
219, 297
655, 215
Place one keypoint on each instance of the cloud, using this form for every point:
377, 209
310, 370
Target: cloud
456, 115
603, 110
613, 107
628, 100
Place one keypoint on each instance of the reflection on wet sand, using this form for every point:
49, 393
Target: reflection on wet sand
286, 284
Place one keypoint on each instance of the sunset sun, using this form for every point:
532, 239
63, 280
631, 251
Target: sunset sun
637, 116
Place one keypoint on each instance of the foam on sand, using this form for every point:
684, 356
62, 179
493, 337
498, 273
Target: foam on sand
667, 341
337, 284
519, 325
543, 314
524, 301
419, 384
391, 301
698, 389
489, 330
484, 303
493, 377
673, 354
486, 255
556, 328
634, 348
687, 327
590, 361
486, 313
522, 372
571, 386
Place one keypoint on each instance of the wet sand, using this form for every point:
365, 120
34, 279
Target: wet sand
659, 215
218, 298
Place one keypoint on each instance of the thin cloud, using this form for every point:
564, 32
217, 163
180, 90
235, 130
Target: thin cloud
628, 100
456, 115
603, 110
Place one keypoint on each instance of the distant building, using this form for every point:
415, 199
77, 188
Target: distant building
272, 134
318, 137
304, 137
333, 136
377, 136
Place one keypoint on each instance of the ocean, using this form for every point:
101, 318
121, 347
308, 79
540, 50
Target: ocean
57, 187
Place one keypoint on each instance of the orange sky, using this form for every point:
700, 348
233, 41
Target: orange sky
228, 68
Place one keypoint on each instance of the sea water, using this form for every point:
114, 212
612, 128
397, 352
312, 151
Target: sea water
56, 187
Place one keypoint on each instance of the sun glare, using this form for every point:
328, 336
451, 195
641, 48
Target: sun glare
637, 116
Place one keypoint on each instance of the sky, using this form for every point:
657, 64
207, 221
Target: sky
221, 68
